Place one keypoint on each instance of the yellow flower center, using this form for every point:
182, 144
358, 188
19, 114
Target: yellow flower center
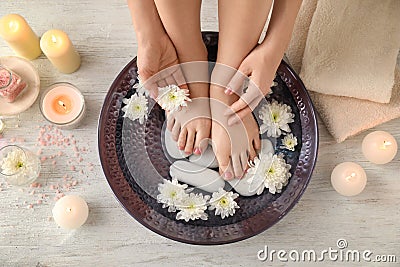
172, 96
223, 202
191, 206
138, 108
173, 194
275, 117
20, 164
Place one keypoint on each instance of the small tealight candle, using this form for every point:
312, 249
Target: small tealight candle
70, 212
20, 37
59, 49
348, 179
63, 104
379, 147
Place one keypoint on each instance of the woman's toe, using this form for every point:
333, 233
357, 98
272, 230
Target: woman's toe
225, 166
170, 123
176, 129
237, 166
190, 141
201, 142
182, 139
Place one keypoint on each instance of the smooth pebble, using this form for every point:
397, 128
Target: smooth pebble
195, 175
242, 187
206, 159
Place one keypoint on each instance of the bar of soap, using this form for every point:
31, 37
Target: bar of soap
172, 147
206, 159
195, 175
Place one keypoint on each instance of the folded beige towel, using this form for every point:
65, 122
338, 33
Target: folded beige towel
345, 116
352, 47
300, 31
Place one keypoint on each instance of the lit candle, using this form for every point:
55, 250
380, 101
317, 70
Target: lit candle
70, 212
379, 147
348, 179
59, 49
63, 104
20, 37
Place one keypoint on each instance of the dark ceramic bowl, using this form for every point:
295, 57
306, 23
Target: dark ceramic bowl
124, 145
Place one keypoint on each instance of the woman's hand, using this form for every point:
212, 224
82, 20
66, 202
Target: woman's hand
157, 63
260, 67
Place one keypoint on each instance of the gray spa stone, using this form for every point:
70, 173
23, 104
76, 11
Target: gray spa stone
172, 147
266, 146
206, 159
242, 187
195, 175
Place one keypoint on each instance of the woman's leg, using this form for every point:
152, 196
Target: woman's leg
181, 20
240, 26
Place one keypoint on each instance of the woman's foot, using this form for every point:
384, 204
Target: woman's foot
233, 145
191, 126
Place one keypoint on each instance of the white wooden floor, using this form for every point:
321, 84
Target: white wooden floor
102, 32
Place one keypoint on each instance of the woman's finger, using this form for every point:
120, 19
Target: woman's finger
236, 83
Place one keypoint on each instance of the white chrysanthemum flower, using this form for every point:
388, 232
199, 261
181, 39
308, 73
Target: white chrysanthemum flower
14, 163
289, 142
171, 97
224, 203
268, 171
136, 108
193, 207
276, 118
171, 194
140, 89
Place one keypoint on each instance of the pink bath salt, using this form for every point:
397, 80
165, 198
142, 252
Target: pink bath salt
21, 140
75, 149
52, 187
21, 190
80, 159
81, 171
13, 139
65, 176
48, 137
39, 185
43, 143
72, 168
74, 183
60, 195
11, 88
30, 206
76, 155
34, 185
60, 153
91, 168
39, 152
56, 198
1, 189
54, 163
74, 141
39, 201
58, 191
44, 158
32, 192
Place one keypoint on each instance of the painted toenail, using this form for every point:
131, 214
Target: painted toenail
197, 151
181, 147
228, 175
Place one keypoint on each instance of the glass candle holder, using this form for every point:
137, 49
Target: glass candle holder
11, 84
63, 105
18, 166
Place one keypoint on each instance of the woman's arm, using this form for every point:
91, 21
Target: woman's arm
155, 49
261, 64
146, 21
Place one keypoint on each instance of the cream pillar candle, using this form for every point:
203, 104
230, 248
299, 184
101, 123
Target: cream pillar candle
59, 49
379, 147
20, 37
70, 212
348, 179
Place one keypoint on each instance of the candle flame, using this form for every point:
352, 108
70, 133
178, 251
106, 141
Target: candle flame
386, 144
350, 177
62, 104
54, 38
